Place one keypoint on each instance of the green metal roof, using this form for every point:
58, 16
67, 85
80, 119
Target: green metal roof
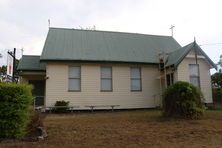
31, 63
88, 45
103, 46
177, 56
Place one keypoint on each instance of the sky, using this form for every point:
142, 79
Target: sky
24, 23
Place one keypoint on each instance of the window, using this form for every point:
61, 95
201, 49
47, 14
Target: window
194, 74
170, 79
74, 78
135, 74
106, 79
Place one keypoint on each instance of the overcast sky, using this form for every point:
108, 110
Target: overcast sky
24, 23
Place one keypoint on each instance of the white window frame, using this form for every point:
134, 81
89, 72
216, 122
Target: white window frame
196, 76
138, 79
106, 78
74, 78
170, 80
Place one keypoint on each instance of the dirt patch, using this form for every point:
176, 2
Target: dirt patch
128, 129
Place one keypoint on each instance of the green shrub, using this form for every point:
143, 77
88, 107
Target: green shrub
15, 100
182, 99
61, 106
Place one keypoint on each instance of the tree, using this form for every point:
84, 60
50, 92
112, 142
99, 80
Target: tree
217, 86
220, 64
3, 71
217, 80
3, 74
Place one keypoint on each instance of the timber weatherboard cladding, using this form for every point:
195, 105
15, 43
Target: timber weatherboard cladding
205, 78
56, 87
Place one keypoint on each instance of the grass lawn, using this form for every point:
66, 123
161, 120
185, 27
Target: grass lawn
142, 128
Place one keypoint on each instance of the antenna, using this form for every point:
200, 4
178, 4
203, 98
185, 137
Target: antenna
49, 23
94, 27
171, 28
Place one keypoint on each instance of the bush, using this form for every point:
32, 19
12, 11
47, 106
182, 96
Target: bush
61, 106
15, 101
182, 99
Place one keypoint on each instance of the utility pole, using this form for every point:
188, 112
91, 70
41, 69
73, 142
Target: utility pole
171, 28
13, 74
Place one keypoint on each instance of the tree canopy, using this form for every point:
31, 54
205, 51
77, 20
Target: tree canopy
217, 80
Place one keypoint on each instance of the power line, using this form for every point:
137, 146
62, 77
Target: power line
210, 44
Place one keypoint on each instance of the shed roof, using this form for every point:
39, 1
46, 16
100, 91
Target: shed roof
88, 45
31, 63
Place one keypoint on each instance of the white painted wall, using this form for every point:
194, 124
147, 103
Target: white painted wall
182, 74
90, 94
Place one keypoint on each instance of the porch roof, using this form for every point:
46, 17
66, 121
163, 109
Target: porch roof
31, 63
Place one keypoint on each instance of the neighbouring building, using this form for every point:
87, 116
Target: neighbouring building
87, 67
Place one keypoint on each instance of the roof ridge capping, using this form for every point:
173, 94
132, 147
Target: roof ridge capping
105, 31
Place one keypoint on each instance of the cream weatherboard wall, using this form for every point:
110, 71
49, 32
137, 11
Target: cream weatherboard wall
182, 74
90, 94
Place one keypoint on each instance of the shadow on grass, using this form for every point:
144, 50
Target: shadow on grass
157, 115
217, 107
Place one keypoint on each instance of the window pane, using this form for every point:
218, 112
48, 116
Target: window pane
193, 68
135, 85
106, 84
135, 72
74, 84
195, 81
172, 78
74, 72
106, 72
168, 79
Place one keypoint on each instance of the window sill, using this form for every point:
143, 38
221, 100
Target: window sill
74, 90
136, 90
106, 90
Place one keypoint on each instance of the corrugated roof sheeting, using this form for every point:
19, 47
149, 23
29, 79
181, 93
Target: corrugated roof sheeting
72, 44
174, 56
31, 63
102, 46
177, 56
